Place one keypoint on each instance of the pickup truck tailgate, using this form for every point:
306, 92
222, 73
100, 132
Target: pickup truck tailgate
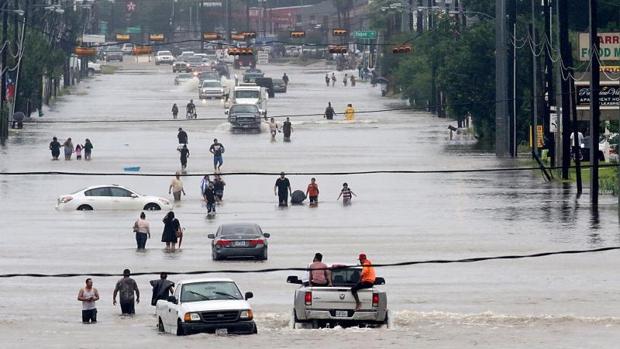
338, 298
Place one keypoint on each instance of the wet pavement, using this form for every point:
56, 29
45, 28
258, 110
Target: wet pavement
560, 301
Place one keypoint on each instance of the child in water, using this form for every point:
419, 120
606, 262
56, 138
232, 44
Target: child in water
78, 151
346, 193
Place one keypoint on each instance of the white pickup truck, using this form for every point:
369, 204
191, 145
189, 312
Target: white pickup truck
206, 305
250, 94
329, 306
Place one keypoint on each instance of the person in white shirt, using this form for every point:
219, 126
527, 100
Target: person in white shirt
88, 296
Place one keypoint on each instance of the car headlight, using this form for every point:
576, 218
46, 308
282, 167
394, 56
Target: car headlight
246, 314
65, 199
191, 317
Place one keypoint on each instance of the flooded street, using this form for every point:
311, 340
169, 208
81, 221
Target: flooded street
557, 301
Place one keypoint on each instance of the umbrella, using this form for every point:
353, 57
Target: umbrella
382, 80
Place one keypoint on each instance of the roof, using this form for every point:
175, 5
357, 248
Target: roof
192, 281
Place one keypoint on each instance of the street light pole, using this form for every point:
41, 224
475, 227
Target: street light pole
595, 112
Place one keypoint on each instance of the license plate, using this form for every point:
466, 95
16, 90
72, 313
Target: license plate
221, 332
240, 243
342, 313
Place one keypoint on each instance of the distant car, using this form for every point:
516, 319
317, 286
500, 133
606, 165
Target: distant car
113, 54
183, 77
279, 86
94, 67
195, 62
251, 76
206, 305
110, 197
239, 240
267, 83
185, 55
208, 75
163, 57
244, 117
180, 67
211, 89
127, 48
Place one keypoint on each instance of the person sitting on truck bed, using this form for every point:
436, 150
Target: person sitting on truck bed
367, 279
319, 274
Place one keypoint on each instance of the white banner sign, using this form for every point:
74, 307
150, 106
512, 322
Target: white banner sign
609, 49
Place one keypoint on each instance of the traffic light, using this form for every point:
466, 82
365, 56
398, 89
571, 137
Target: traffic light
298, 34
249, 35
401, 49
85, 51
156, 37
208, 36
240, 51
142, 50
237, 37
337, 49
122, 37
339, 32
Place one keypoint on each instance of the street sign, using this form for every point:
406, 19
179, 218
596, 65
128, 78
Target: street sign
211, 4
366, 34
93, 38
134, 30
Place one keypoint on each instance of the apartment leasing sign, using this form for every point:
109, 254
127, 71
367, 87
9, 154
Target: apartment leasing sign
609, 49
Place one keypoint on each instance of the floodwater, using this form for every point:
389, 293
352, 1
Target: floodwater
559, 301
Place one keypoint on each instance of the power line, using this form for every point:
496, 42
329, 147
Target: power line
272, 270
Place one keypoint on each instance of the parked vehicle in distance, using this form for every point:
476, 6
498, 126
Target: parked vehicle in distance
250, 76
212, 305
185, 55
163, 57
211, 89
330, 306
180, 67
279, 86
113, 53
239, 239
195, 62
208, 75
183, 77
127, 48
94, 67
110, 197
250, 95
267, 83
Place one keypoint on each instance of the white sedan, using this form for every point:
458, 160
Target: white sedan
206, 305
110, 197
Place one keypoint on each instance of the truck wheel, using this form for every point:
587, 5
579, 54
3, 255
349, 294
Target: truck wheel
315, 324
180, 330
388, 320
265, 255
160, 326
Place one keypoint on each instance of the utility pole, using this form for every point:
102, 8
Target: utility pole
565, 52
595, 112
502, 114
201, 14
548, 83
4, 124
534, 85
228, 20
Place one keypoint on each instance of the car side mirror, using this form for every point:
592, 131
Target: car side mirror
292, 279
134, 196
172, 299
211, 236
249, 295
379, 281
266, 235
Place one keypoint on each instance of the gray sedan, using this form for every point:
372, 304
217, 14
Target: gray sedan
239, 240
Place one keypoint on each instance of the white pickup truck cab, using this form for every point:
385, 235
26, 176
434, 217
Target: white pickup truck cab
250, 94
213, 305
329, 306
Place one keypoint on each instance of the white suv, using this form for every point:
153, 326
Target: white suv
164, 57
206, 305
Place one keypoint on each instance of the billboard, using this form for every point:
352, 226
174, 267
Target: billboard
609, 49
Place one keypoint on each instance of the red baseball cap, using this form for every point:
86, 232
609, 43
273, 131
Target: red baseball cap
362, 256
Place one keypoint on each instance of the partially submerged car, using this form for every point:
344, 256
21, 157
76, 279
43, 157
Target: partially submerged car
329, 306
239, 240
212, 305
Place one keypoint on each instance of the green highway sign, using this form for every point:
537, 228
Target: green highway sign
134, 30
367, 34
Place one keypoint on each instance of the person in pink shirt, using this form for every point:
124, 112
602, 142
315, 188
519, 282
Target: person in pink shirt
319, 274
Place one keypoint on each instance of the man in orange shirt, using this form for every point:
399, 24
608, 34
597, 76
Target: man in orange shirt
313, 192
367, 279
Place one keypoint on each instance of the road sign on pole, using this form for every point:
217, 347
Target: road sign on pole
366, 34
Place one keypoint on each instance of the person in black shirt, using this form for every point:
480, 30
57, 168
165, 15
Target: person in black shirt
217, 149
175, 110
184, 155
182, 136
287, 128
88, 149
55, 148
209, 194
285, 79
329, 111
218, 186
162, 288
283, 187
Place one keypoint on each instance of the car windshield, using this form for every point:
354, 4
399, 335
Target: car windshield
164, 53
246, 94
184, 76
194, 59
210, 291
211, 84
244, 109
